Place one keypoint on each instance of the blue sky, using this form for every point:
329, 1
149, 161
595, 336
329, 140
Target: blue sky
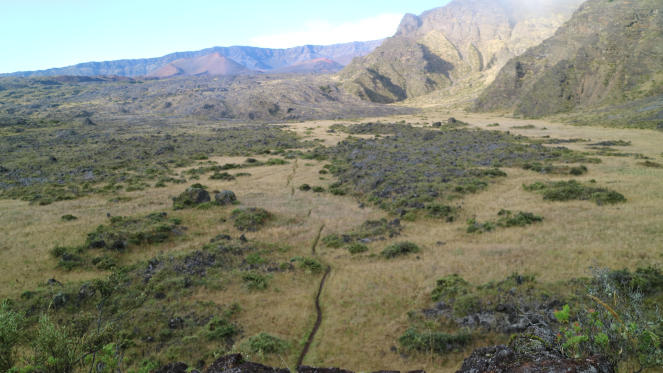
40, 34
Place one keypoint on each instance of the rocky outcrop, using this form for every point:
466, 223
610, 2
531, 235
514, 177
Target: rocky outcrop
535, 351
190, 198
609, 52
465, 41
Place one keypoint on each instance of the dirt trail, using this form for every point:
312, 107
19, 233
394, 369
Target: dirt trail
317, 322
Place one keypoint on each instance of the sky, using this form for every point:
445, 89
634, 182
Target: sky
41, 34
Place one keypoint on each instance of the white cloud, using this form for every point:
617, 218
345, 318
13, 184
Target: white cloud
321, 32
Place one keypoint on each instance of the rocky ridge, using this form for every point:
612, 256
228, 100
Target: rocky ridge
459, 46
250, 57
608, 53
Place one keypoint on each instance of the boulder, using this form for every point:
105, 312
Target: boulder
190, 198
437, 124
173, 368
235, 363
226, 197
503, 359
451, 120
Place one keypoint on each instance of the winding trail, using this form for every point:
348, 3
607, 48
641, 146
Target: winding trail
317, 322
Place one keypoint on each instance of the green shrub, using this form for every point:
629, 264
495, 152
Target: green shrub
309, 264
222, 176
520, 219
318, 189
106, 264
276, 162
465, 305
304, 187
400, 248
573, 190
176, 221
357, 248
249, 219
337, 191
68, 218
437, 210
220, 329
473, 226
333, 240
11, 332
164, 334
450, 286
254, 281
265, 343
441, 342
613, 322
254, 259
410, 216
57, 251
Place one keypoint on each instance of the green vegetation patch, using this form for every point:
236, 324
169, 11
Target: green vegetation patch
249, 219
441, 342
399, 249
122, 232
573, 190
265, 343
415, 166
368, 229
555, 170
80, 161
357, 248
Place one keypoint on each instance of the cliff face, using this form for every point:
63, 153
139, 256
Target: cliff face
464, 42
250, 57
609, 52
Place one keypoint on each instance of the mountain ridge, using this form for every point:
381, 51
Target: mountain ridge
465, 43
254, 58
608, 53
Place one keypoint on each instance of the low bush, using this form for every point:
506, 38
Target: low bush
220, 329
222, 176
475, 227
255, 281
312, 265
573, 190
357, 248
333, 240
400, 248
68, 218
249, 219
450, 286
441, 342
440, 211
318, 189
276, 162
305, 187
265, 343
521, 219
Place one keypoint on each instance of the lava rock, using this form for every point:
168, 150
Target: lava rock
191, 197
226, 197
173, 368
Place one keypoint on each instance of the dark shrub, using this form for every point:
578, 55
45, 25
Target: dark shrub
305, 187
333, 240
400, 248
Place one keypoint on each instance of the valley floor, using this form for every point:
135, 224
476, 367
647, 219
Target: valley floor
366, 299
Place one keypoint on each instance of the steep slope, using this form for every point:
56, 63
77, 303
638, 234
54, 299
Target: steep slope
460, 45
609, 52
317, 66
251, 57
212, 64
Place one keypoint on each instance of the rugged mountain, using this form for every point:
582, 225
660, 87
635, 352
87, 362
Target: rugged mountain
212, 64
318, 65
609, 52
460, 45
250, 57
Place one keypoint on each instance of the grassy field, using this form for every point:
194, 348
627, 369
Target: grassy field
366, 299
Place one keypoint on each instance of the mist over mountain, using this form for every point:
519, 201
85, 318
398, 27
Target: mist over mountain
250, 57
458, 46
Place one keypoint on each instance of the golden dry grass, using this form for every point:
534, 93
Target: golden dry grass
365, 301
